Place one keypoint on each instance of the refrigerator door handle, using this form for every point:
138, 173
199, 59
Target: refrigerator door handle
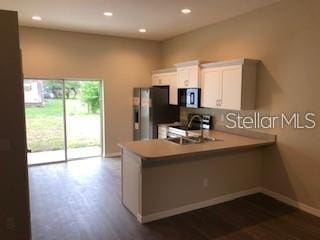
136, 116
136, 119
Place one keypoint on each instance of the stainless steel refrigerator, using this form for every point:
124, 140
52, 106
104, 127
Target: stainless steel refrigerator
150, 108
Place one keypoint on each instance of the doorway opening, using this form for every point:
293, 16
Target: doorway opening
63, 119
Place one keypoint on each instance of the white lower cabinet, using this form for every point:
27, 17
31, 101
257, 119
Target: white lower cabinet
162, 131
230, 86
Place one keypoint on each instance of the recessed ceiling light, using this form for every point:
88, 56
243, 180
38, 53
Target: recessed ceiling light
108, 14
142, 30
186, 11
36, 18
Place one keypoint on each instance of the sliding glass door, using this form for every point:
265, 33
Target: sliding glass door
83, 118
63, 119
44, 111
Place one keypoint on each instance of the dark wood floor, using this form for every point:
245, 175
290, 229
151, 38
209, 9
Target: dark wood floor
81, 201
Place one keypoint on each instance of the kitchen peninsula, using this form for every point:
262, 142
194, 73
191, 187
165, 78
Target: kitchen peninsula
162, 178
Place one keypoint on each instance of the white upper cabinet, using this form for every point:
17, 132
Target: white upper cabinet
210, 87
229, 84
188, 74
167, 77
173, 90
231, 87
161, 79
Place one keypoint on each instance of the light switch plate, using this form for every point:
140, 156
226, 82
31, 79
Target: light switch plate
5, 145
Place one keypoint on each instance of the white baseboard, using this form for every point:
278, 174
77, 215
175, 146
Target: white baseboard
291, 202
195, 206
226, 198
115, 154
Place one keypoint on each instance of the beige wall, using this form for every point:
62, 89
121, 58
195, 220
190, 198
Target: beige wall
286, 38
121, 63
14, 199
179, 182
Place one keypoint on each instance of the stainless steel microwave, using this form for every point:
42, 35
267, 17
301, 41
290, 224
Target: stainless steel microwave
189, 97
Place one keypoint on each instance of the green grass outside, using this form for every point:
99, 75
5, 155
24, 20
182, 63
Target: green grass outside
45, 125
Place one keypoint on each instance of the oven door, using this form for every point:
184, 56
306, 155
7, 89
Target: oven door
193, 98
173, 135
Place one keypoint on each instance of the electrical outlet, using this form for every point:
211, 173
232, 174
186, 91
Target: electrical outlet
11, 225
205, 182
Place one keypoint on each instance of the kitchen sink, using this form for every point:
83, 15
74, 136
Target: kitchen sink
190, 140
181, 140
198, 139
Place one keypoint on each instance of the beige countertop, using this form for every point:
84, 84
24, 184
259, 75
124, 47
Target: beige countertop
161, 148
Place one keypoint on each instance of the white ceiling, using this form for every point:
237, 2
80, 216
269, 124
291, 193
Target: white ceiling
162, 18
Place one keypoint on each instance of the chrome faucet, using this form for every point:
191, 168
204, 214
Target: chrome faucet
201, 125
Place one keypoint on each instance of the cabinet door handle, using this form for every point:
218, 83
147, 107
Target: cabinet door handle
186, 82
217, 102
160, 81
